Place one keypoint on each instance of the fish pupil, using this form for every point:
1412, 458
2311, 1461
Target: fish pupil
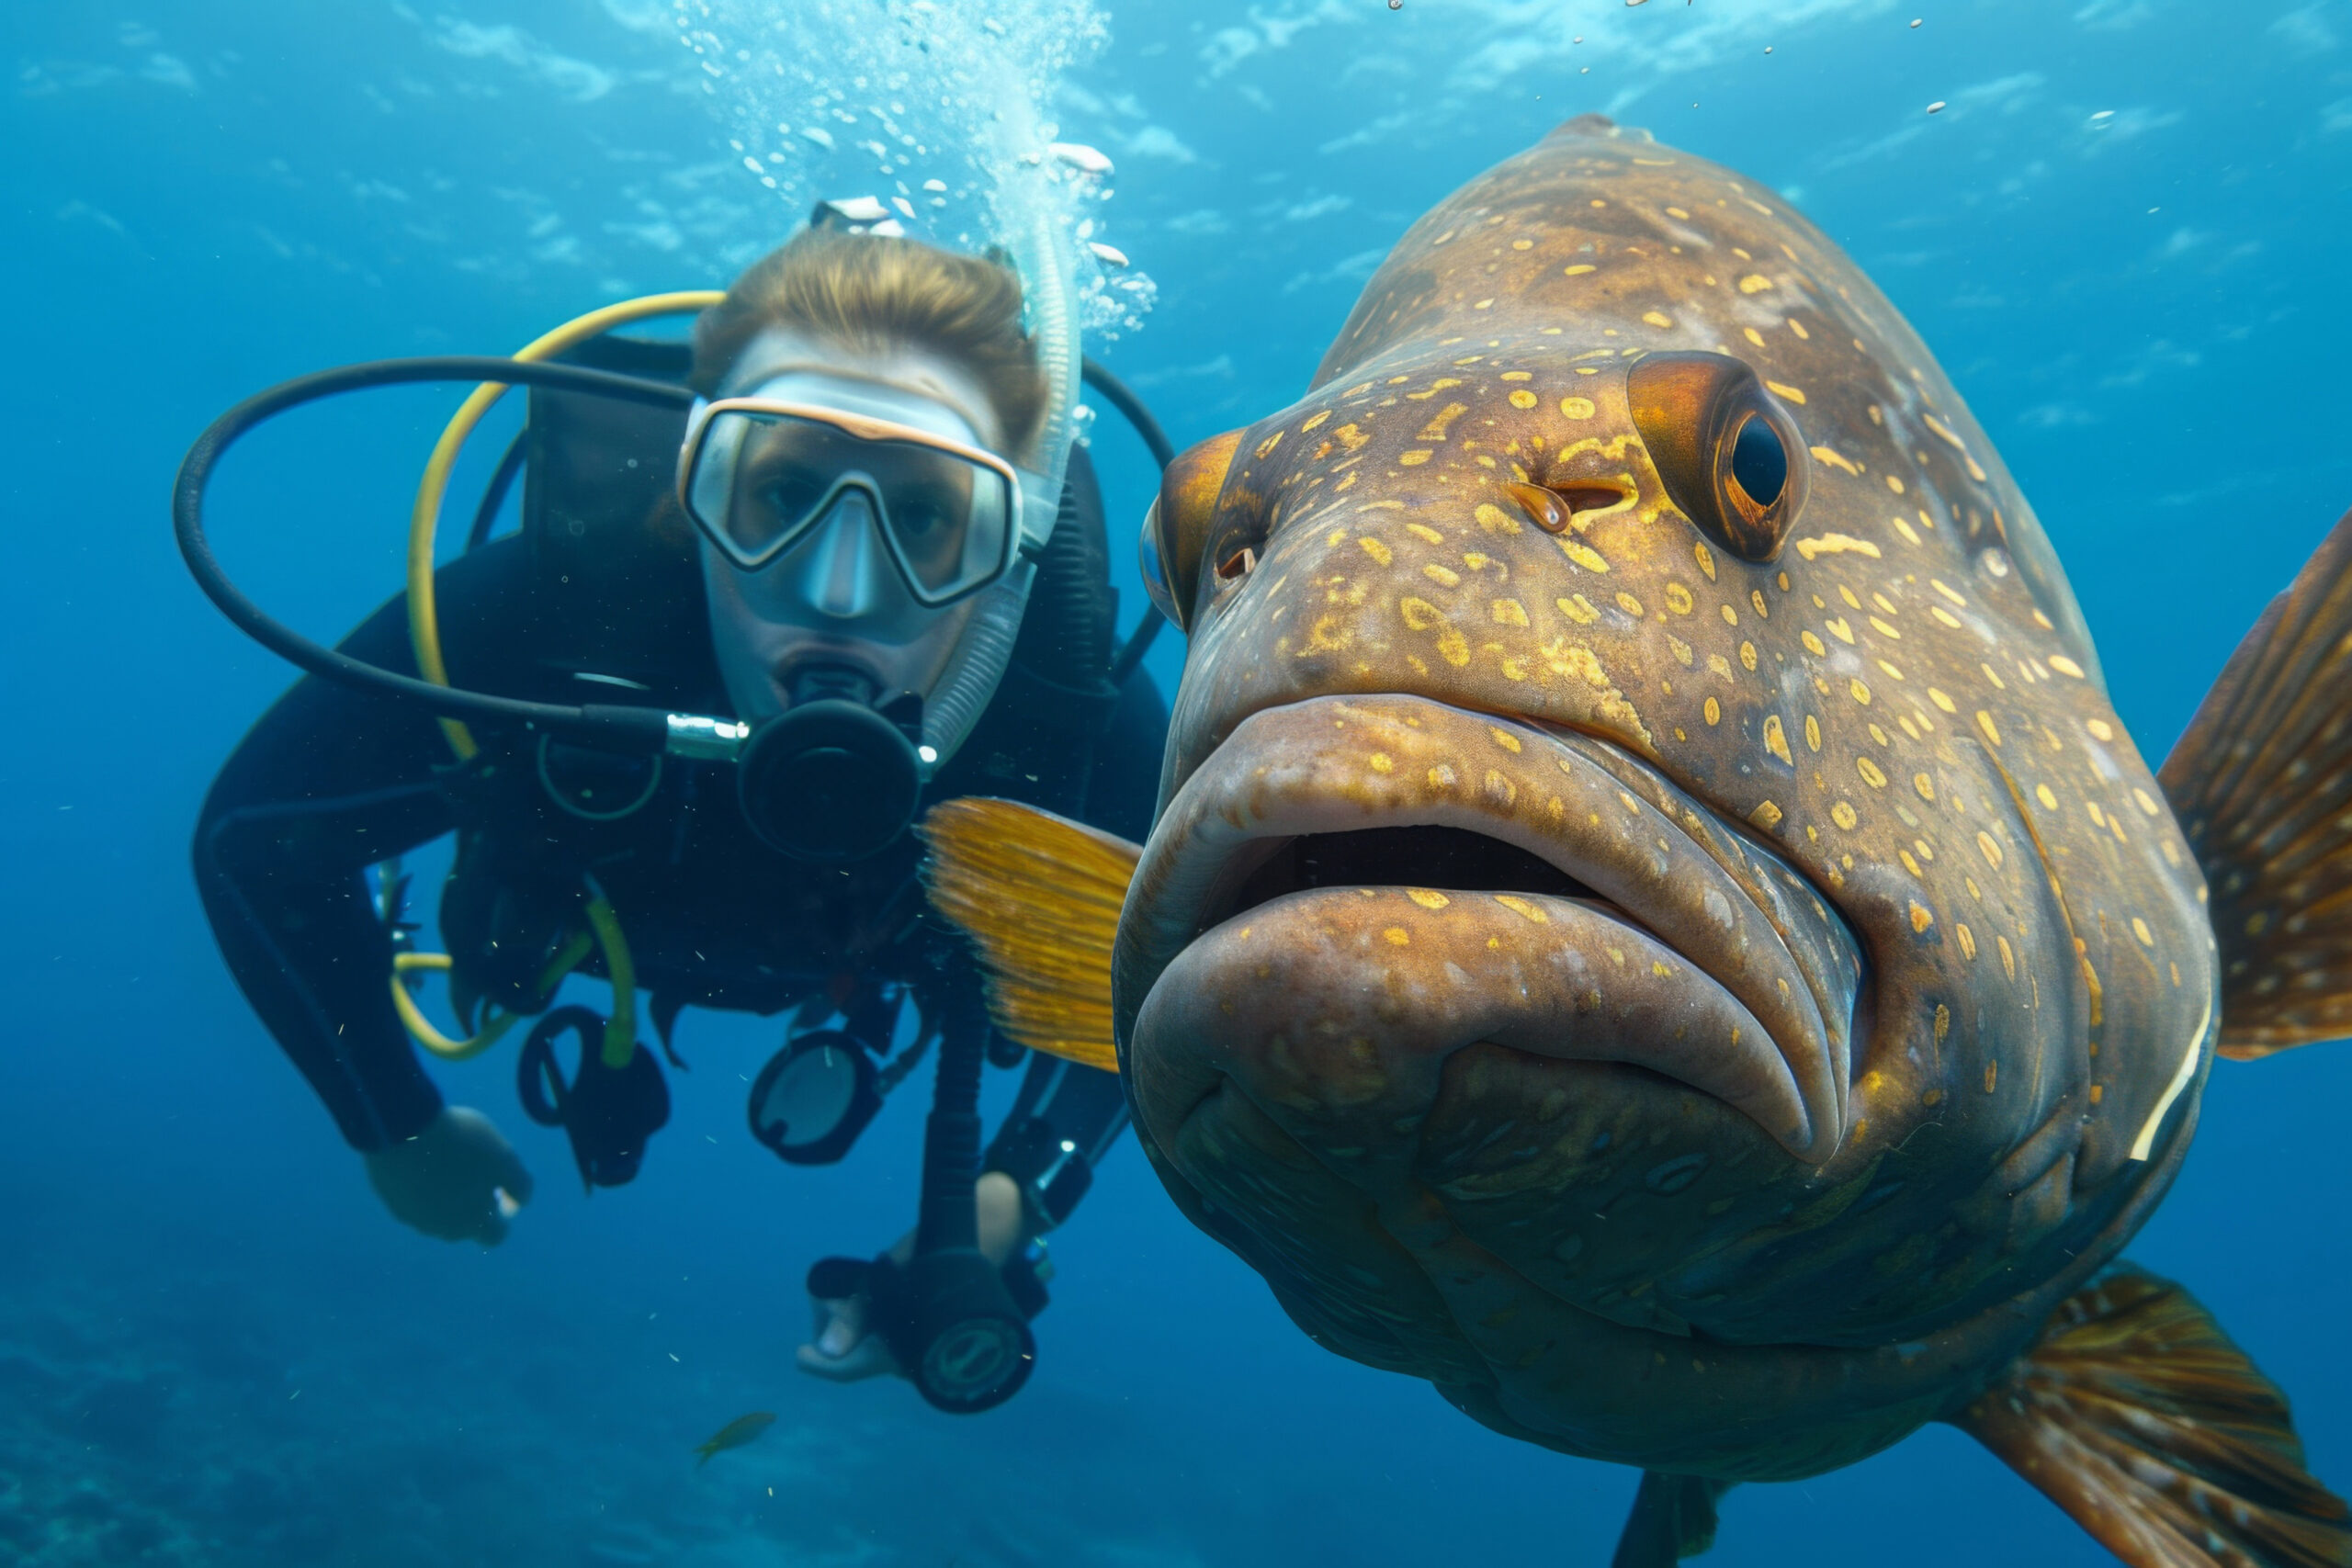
1759, 462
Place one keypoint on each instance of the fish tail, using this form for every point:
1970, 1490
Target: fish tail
1673, 1518
2261, 783
2136, 1414
1039, 897
706, 1451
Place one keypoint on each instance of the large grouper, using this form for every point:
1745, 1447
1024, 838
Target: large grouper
1655, 925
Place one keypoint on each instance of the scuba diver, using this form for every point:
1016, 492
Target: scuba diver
771, 597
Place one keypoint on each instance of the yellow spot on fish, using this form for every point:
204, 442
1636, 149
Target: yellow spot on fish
1776, 740
1423, 531
1577, 610
1494, 519
1991, 849
1435, 429
1678, 599
1453, 646
2100, 729
1766, 816
1985, 723
1398, 936
1578, 408
1894, 484
1427, 898
1522, 908
1578, 270
1967, 942
1837, 543
1705, 557
1266, 447
2065, 666
1521, 398
1921, 919
1941, 700
1658, 319
1843, 814
1884, 629
1812, 733
1584, 555
1783, 390
1813, 645
1944, 616
2008, 957
1714, 711
2145, 803
1414, 458
1753, 336
1840, 629
1419, 613
1835, 461
1375, 549
1925, 785
1508, 612
1382, 763
1862, 692
1747, 655
1630, 604
1314, 422
2048, 801
1444, 576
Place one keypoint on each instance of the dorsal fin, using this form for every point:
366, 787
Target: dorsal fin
1039, 896
2135, 1414
2261, 783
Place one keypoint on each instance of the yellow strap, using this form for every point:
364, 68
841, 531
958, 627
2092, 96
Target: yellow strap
423, 620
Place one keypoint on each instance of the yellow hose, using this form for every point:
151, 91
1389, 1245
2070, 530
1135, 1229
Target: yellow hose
423, 621
493, 1029
620, 1030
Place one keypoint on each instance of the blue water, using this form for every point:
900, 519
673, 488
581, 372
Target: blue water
2125, 236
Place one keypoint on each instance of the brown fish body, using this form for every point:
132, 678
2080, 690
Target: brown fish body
1655, 925
1901, 708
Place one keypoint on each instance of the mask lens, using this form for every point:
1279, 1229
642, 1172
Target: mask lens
761, 481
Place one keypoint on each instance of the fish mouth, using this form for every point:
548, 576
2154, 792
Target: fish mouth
1350, 889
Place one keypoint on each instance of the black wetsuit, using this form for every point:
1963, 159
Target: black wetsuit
334, 780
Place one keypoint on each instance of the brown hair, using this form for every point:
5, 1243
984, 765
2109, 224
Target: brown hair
867, 292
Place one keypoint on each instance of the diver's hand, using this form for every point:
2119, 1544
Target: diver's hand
458, 1180
844, 1347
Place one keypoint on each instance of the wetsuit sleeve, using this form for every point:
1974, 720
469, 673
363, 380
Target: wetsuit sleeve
332, 780
1067, 1117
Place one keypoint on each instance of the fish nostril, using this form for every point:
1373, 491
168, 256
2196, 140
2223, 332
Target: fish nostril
1238, 564
1555, 507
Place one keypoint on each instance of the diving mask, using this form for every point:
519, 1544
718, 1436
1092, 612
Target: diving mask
761, 474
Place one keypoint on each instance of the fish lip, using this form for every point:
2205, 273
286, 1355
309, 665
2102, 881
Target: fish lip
1230, 816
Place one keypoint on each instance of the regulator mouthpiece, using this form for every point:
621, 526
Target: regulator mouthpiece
831, 780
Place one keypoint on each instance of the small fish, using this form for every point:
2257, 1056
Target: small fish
736, 1434
1109, 255
1655, 925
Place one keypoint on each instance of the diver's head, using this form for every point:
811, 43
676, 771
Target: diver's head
853, 473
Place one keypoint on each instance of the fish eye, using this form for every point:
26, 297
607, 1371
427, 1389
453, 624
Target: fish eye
1760, 464
1723, 445
1176, 531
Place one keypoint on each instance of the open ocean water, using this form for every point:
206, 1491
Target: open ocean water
2128, 236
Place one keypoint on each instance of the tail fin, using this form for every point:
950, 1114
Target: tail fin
2262, 782
1673, 1518
2135, 1414
1039, 896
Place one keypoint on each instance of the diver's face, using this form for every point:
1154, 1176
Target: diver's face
834, 597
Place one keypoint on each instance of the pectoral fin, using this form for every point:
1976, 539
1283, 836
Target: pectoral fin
1039, 896
2261, 783
1673, 1518
2135, 1414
